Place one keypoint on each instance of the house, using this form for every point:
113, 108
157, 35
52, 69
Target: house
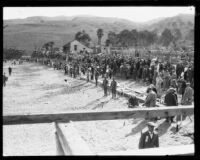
25, 57
76, 47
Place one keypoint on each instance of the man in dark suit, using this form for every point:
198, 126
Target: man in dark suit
149, 139
105, 86
171, 99
96, 77
10, 70
113, 88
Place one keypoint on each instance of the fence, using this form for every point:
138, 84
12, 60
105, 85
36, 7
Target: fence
70, 143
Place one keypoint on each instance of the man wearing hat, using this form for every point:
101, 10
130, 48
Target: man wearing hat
149, 139
113, 87
105, 85
96, 76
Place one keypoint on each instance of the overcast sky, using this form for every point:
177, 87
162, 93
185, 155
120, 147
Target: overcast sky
137, 14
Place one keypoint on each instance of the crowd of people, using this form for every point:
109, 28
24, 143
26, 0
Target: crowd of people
165, 79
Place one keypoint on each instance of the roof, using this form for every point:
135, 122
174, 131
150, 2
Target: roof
67, 44
26, 56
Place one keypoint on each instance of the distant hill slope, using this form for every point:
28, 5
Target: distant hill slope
184, 22
35, 31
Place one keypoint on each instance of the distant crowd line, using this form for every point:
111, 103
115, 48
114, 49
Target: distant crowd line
163, 76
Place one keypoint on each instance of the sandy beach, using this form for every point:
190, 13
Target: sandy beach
33, 88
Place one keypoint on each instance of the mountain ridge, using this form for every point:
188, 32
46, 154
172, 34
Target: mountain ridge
34, 31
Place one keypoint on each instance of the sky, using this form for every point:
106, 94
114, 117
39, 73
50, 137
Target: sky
136, 14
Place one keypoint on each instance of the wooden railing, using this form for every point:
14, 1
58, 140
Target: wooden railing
99, 115
69, 142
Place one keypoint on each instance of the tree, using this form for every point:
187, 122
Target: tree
177, 34
99, 35
107, 42
112, 37
83, 37
125, 38
51, 44
12, 53
166, 37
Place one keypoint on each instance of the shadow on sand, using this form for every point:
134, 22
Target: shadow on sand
137, 129
163, 127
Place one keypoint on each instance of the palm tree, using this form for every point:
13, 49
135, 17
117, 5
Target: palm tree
99, 35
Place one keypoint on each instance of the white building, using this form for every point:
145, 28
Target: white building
76, 47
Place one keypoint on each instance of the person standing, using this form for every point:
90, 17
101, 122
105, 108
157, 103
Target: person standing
92, 72
159, 82
9, 70
188, 95
183, 86
88, 75
96, 77
65, 68
105, 86
171, 99
149, 139
113, 86
4, 79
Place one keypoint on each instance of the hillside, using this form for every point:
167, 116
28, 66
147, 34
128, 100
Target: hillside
32, 32
184, 22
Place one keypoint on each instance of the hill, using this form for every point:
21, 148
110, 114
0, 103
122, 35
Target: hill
33, 32
183, 22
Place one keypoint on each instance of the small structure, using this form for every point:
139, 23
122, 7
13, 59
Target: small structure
75, 47
27, 57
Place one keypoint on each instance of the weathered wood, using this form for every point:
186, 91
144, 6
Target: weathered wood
120, 91
161, 151
99, 115
59, 148
70, 140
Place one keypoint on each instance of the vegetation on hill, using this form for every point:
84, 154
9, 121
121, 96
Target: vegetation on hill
83, 37
12, 53
33, 32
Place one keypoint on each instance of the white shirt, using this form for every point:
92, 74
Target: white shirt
151, 134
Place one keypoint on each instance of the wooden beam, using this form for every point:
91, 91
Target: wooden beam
70, 140
59, 149
161, 151
120, 91
99, 115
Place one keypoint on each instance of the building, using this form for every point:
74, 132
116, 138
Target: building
76, 47
25, 57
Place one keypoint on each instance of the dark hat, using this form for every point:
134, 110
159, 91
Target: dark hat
151, 124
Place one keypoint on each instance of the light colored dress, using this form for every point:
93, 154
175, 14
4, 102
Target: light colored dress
159, 81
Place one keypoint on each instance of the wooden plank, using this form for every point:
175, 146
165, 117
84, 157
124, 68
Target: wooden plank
119, 90
70, 140
99, 115
59, 148
161, 151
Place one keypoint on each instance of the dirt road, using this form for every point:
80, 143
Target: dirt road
33, 88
